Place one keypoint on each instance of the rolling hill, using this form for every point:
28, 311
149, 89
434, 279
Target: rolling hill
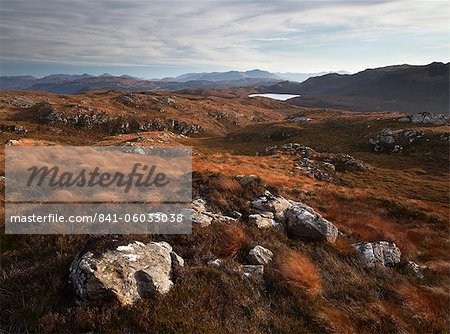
402, 88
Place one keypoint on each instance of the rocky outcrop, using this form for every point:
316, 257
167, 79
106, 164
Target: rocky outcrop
259, 255
88, 118
17, 129
269, 203
203, 218
127, 273
379, 253
394, 141
320, 165
302, 222
297, 219
262, 220
147, 101
73, 114
426, 118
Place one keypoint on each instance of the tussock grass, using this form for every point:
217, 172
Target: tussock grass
299, 271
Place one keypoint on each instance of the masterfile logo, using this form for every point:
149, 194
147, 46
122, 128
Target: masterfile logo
98, 189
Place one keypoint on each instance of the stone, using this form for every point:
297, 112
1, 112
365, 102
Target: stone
199, 205
259, 255
415, 269
235, 214
18, 129
217, 263
201, 219
198, 213
262, 220
303, 223
204, 218
275, 204
245, 180
12, 142
394, 141
127, 273
252, 271
379, 253
426, 118
321, 176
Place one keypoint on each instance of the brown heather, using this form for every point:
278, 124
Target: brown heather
309, 287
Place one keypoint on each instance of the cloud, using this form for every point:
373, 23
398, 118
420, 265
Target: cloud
277, 35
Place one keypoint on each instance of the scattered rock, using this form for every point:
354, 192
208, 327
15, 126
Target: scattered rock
127, 273
259, 255
18, 129
328, 165
217, 263
252, 271
379, 253
235, 214
312, 162
262, 220
321, 176
299, 119
12, 142
426, 118
204, 218
394, 141
269, 203
21, 102
415, 269
304, 223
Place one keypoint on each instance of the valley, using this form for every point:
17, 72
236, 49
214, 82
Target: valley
375, 176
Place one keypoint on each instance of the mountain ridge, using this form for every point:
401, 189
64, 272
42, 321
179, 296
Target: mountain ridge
403, 88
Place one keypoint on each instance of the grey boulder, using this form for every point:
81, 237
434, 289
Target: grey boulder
304, 223
259, 255
127, 273
379, 253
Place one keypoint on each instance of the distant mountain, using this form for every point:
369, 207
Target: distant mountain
73, 84
300, 77
403, 88
225, 76
25, 82
253, 74
16, 82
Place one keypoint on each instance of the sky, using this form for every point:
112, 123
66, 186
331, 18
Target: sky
154, 39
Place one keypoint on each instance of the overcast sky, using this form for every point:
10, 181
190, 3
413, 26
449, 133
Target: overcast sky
156, 39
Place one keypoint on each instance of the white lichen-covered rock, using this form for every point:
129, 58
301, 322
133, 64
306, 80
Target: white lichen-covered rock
199, 205
198, 213
128, 272
262, 220
259, 255
204, 218
220, 218
302, 222
275, 204
379, 253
